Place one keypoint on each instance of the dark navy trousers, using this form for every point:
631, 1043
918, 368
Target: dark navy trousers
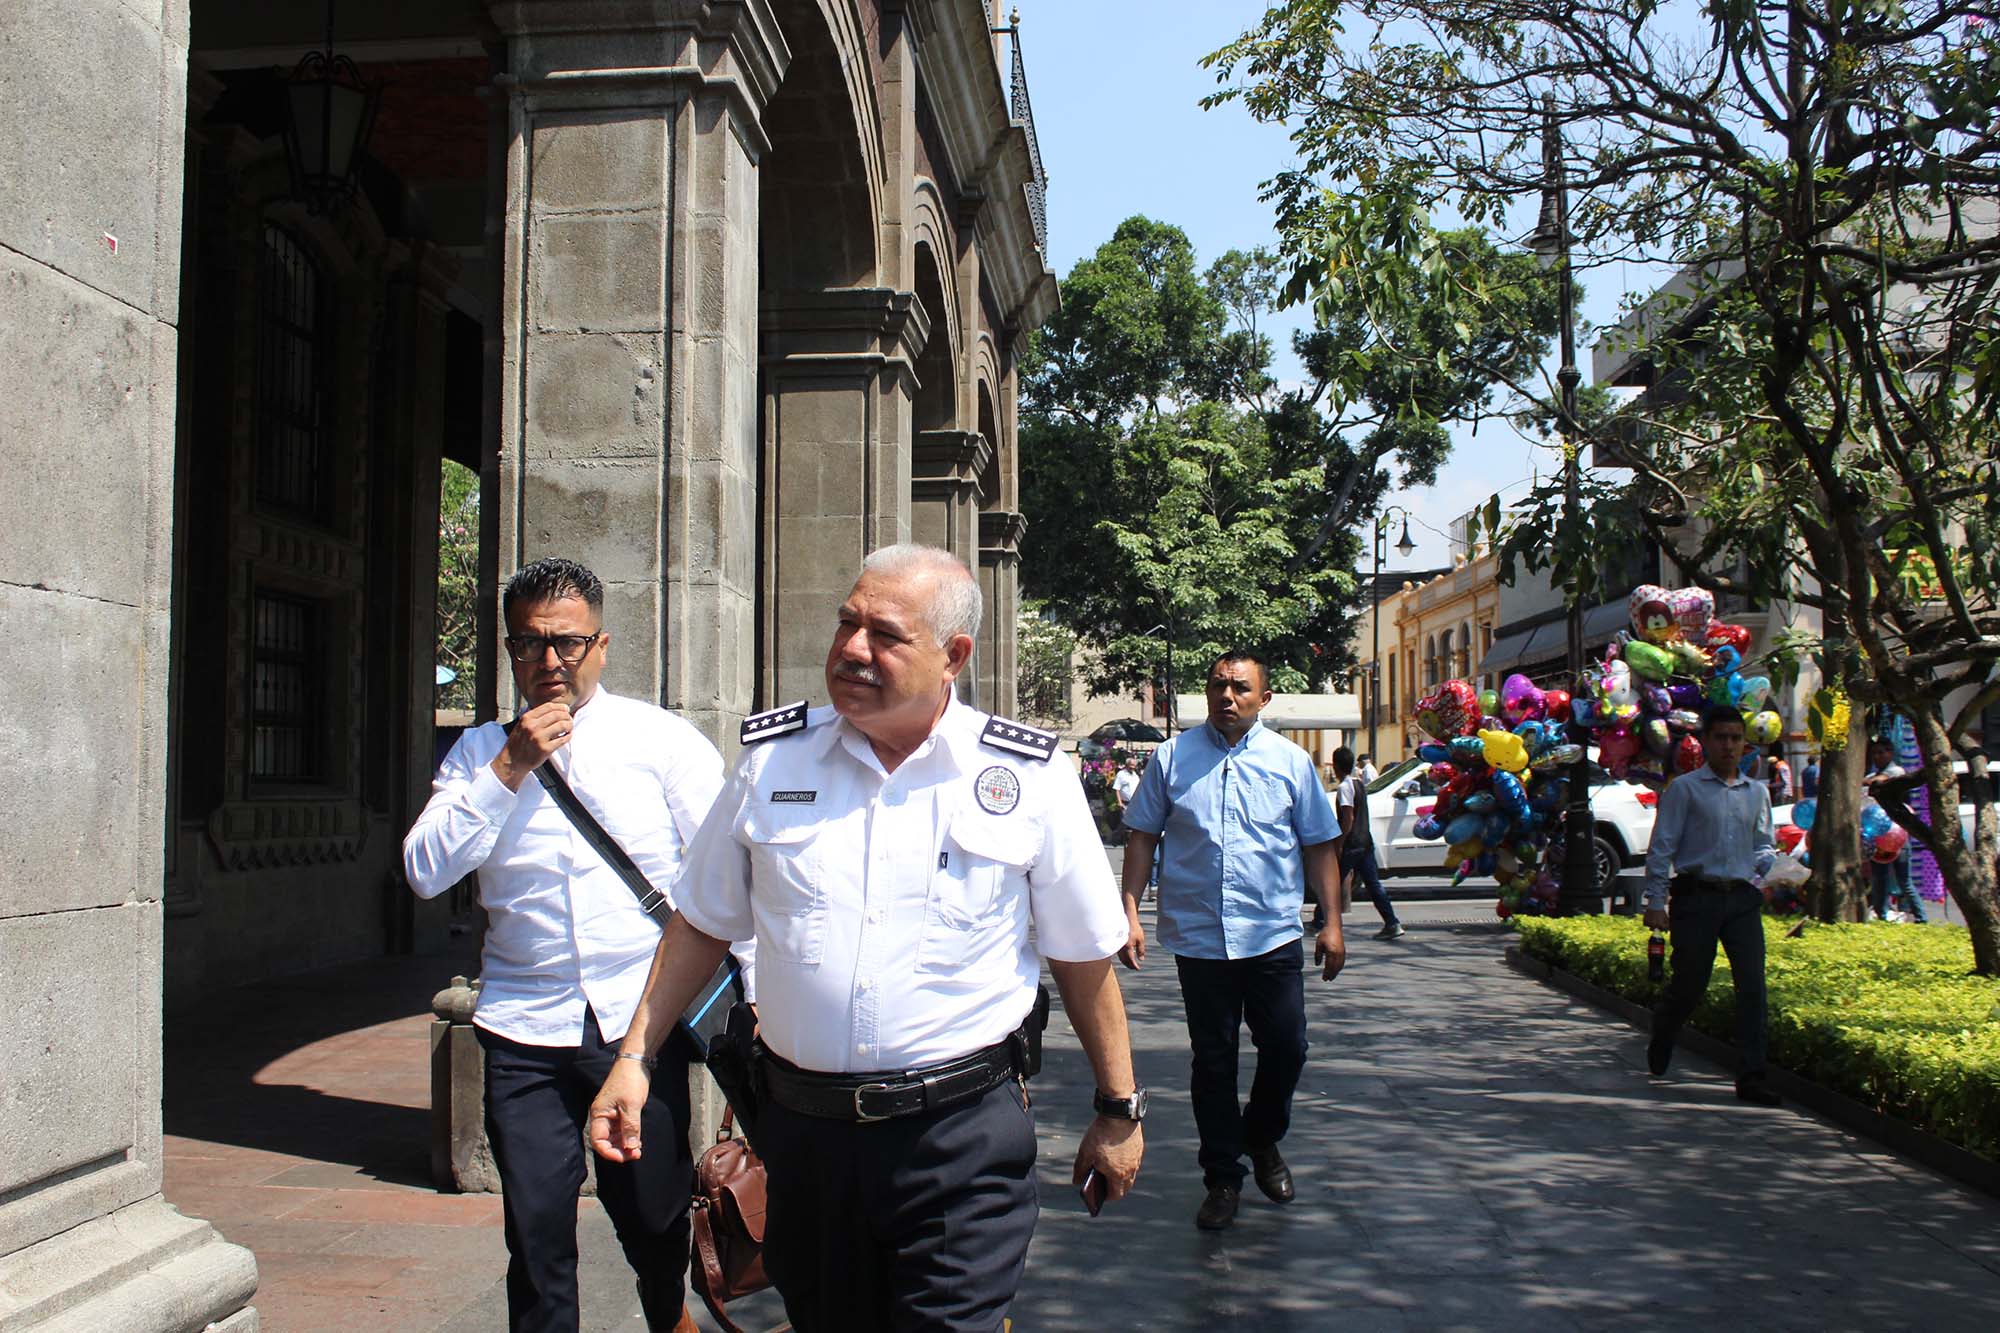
1222, 996
921, 1222
537, 1103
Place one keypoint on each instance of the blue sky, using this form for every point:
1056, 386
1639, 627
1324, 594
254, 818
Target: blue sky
1116, 87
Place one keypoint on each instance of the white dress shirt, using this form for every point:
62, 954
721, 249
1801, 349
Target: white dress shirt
891, 911
564, 932
1710, 827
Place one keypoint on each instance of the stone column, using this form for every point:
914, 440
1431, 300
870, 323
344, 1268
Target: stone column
1000, 533
629, 320
91, 150
839, 379
944, 506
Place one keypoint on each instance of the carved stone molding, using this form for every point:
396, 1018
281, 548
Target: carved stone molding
1000, 533
258, 835
953, 458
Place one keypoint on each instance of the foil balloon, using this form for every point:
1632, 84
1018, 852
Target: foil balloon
1654, 701
1428, 828
1489, 703
1462, 828
1433, 753
1788, 837
1764, 727
1805, 812
1890, 842
1509, 794
1689, 660
1684, 720
1557, 757
1442, 773
1619, 693
1648, 661
1685, 694
1584, 712
1467, 750
1504, 750
1693, 609
1657, 737
1451, 709
1615, 748
1479, 803
1688, 755
1749, 692
1726, 659
1555, 705
1719, 635
1875, 822
1460, 852
1521, 700
1652, 614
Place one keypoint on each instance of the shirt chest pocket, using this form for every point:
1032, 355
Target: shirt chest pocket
787, 884
1267, 802
977, 892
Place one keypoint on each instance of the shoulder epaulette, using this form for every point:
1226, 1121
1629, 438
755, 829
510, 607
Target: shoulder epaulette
774, 722
1004, 734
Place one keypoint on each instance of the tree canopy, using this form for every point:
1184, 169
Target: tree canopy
1174, 487
1823, 178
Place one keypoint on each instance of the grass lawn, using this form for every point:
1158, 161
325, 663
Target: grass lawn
1889, 1015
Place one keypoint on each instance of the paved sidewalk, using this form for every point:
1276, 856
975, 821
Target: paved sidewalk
1473, 1150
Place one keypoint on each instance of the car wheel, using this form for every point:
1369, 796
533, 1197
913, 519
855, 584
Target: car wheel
1608, 863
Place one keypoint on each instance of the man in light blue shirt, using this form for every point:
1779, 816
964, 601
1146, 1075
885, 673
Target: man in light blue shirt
1714, 834
1242, 825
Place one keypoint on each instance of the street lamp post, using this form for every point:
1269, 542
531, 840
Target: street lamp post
1403, 547
1166, 705
1579, 890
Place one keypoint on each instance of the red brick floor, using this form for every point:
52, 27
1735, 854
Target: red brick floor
297, 1121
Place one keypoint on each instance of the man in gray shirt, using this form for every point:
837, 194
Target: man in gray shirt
1714, 834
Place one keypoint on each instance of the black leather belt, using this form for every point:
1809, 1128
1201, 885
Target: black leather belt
1705, 884
865, 1098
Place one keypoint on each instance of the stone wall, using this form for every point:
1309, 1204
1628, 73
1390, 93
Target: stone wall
91, 144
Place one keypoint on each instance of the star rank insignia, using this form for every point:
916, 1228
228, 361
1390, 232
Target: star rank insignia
1003, 734
775, 722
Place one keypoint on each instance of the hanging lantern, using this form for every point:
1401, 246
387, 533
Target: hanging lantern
329, 113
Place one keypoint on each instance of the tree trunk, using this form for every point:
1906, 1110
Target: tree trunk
1839, 884
1969, 872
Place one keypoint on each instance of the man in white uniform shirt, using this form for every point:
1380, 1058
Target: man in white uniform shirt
567, 943
889, 855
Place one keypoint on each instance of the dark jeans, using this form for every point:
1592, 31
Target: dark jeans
1221, 996
1735, 919
1361, 864
920, 1222
1889, 886
537, 1102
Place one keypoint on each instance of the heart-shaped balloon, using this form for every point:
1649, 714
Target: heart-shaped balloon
1443, 773
1720, 635
1556, 705
1652, 614
1693, 608
1451, 709
1688, 755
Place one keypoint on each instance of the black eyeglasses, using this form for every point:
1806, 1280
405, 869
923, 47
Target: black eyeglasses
570, 648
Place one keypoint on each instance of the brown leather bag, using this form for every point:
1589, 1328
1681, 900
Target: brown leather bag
727, 1219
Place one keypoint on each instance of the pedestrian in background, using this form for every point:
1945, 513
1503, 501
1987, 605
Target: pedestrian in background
1778, 775
1242, 824
567, 943
1711, 844
1357, 845
1809, 777
1889, 893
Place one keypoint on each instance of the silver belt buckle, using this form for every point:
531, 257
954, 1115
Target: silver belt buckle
861, 1117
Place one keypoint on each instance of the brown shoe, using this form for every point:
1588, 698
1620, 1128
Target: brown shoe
1273, 1176
1218, 1210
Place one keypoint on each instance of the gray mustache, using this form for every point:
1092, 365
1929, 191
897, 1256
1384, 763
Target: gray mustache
861, 674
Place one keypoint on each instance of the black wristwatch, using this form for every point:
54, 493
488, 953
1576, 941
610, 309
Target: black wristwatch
1120, 1108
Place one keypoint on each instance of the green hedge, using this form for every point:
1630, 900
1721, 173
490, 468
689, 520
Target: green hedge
1888, 1015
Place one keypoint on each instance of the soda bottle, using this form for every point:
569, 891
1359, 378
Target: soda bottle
1656, 958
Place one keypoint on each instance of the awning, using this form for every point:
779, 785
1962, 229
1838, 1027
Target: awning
1285, 712
1552, 639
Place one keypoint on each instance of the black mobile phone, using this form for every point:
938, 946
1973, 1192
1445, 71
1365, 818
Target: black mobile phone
1093, 1189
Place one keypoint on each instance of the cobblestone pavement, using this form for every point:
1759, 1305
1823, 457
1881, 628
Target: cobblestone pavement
1472, 1150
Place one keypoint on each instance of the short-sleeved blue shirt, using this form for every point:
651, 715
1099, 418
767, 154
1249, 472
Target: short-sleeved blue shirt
1231, 820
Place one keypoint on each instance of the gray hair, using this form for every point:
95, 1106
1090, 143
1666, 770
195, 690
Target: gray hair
955, 606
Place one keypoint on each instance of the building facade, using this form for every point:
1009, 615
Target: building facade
1430, 629
714, 295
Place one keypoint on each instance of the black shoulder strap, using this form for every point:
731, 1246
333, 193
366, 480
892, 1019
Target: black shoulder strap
703, 1017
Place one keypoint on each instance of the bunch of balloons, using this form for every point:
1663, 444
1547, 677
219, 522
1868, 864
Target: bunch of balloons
1882, 838
1643, 701
1497, 760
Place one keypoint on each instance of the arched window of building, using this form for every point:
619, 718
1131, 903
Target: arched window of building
1447, 657
1430, 661
292, 356
1466, 663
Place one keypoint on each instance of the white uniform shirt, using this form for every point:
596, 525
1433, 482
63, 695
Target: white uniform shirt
891, 910
1125, 784
563, 930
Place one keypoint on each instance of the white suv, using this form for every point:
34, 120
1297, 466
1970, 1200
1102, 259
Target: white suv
1622, 817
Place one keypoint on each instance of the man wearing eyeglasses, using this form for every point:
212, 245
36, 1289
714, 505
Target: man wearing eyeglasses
567, 944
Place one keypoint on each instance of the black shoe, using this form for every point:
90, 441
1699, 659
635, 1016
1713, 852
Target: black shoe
1218, 1210
1273, 1176
1753, 1091
1659, 1054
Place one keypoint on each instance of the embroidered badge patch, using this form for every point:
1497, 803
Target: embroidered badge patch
794, 797
999, 790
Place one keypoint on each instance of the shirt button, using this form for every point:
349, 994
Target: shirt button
875, 918
863, 984
861, 1048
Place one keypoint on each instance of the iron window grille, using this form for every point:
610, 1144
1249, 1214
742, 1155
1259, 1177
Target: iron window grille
292, 355
287, 666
